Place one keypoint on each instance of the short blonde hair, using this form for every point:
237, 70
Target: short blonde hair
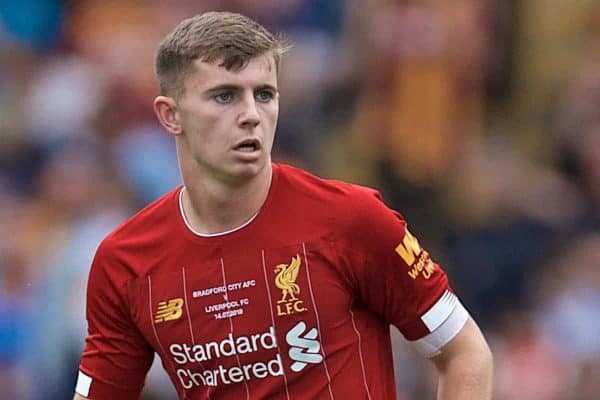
232, 38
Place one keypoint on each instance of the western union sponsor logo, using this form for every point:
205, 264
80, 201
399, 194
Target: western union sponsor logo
415, 257
409, 249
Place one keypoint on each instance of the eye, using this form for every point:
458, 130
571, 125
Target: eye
224, 98
264, 96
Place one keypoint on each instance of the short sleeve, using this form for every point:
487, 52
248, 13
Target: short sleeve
116, 357
392, 274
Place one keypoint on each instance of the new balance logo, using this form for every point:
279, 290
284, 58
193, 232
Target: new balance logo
167, 311
304, 348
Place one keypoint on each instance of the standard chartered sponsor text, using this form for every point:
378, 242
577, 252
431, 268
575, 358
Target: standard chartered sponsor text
189, 376
230, 346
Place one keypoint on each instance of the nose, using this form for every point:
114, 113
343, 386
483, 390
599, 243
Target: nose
249, 117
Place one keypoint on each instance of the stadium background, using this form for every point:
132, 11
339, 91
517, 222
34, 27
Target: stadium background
478, 119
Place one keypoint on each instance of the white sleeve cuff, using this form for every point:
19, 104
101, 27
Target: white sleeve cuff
451, 317
83, 384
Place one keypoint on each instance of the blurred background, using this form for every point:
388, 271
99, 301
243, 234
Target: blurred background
479, 120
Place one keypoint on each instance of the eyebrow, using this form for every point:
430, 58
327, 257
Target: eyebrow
230, 87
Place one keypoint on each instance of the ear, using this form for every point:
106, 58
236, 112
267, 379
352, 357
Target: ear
165, 109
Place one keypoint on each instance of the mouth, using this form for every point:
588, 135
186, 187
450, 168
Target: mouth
248, 146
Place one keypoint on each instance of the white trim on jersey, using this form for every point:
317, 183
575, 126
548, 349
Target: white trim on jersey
207, 235
360, 354
83, 384
438, 313
187, 308
237, 228
264, 265
314, 303
237, 356
444, 320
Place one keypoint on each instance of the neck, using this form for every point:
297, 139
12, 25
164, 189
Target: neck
212, 206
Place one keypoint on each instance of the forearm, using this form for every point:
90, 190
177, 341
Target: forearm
466, 374
469, 377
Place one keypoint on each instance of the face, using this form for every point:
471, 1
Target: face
228, 120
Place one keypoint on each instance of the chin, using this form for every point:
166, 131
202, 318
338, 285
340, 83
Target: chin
245, 171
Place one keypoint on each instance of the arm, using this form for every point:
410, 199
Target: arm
465, 366
116, 356
398, 280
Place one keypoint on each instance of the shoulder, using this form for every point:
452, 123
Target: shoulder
349, 202
310, 185
153, 217
136, 238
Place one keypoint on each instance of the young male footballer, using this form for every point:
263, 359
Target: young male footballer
257, 280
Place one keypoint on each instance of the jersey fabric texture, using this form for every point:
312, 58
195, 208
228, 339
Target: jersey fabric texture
294, 305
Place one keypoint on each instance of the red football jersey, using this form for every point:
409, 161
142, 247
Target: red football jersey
295, 304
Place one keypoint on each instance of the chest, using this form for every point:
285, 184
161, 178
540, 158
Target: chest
243, 309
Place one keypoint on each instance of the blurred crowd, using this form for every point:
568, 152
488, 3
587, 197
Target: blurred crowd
479, 120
